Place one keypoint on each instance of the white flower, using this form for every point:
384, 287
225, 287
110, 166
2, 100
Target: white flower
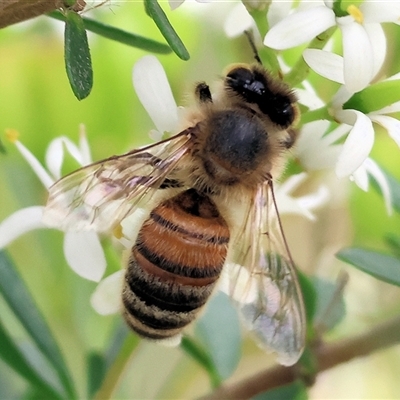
363, 39
315, 149
303, 205
82, 250
237, 21
360, 140
174, 4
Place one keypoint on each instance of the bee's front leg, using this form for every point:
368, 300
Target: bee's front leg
203, 93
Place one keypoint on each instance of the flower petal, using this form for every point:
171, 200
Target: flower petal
374, 170
300, 27
380, 11
55, 154
308, 97
314, 200
358, 144
360, 177
357, 54
315, 150
106, 299
238, 21
299, 205
20, 222
377, 38
325, 63
392, 125
39, 170
395, 107
152, 87
278, 10
84, 254
174, 4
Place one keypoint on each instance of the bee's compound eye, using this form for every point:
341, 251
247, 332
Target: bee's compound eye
281, 111
244, 82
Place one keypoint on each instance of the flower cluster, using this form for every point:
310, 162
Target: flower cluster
353, 57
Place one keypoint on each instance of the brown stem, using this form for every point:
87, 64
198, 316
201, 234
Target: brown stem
328, 355
13, 11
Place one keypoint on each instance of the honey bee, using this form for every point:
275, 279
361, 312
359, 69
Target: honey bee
211, 212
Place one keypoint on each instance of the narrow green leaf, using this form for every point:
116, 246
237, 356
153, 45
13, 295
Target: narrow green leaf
113, 374
293, 391
154, 10
199, 354
118, 35
96, 372
393, 241
11, 354
99, 364
22, 304
77, 56
375, 97
220, 333
379, 265
117, 340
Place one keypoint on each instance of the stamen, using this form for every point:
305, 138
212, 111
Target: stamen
356, 13
12, 135
117, 232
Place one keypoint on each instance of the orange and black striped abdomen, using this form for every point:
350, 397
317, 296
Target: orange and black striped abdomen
174, 265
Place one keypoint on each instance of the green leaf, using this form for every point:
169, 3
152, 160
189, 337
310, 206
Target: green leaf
292, 391
331, 308
96, 372
77, 56
99, 364
118, 35
23, 306
117, 340
154, 10
309, 295
393, 241
375, 97
219, 331
11, 354
200, 354
379, 265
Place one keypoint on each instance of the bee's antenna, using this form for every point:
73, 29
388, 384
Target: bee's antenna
253, 46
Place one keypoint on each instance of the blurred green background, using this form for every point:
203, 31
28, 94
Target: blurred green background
35, 99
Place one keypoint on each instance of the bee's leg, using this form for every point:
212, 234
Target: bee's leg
203, 93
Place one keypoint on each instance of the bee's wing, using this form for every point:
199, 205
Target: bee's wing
100, 195
262, 279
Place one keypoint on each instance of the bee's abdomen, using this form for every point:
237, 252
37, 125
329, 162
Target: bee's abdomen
174, 265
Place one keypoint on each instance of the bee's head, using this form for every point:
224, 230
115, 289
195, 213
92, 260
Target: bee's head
252, 84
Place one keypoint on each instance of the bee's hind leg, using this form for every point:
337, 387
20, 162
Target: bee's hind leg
203, 93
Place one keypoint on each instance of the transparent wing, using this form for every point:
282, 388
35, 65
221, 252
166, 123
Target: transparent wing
262, 279
100, 195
